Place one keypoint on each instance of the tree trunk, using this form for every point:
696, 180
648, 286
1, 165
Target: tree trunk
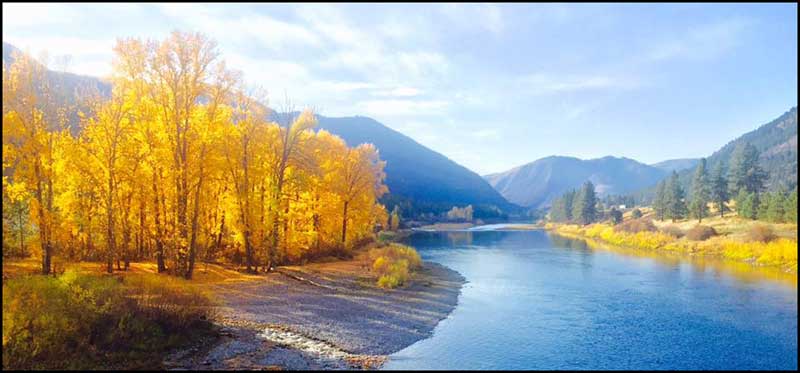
110, 227
344, 226
140, 240
196, 214
159, 243
44, 242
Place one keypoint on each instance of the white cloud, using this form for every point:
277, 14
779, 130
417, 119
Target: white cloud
485, 134
489, 17
27, 15
399, 92
263, 30
704, 41
402, 107
546, 84
87, 56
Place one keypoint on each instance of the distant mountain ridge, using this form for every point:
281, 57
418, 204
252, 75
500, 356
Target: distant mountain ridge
418, 177
677, 164
537, 183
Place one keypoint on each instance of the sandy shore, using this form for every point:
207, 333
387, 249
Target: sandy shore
321, 316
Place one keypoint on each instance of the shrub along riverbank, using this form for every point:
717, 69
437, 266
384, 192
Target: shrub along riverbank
89, 321
393, 264
754, 244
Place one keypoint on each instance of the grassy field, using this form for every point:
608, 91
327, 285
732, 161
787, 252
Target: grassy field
752, 242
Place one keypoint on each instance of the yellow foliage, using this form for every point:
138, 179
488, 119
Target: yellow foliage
181, 164
393, 264
780, 253
83, 321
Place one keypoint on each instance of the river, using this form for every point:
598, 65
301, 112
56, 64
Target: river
538, 301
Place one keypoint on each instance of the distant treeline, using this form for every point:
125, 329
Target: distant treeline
741, 188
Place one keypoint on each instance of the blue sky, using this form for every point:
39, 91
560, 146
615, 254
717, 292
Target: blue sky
491, 86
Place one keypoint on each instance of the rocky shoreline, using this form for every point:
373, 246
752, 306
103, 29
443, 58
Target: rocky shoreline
321, 316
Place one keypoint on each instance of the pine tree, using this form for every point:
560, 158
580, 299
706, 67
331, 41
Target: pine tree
747, 204
790, 207
585, 210
660, 201
569, 201
700, 192
745, 171
675, 203
616, 215
719, 190
775, 208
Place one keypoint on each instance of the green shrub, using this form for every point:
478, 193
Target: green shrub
636, 213
700, 233
393, 264
81, 321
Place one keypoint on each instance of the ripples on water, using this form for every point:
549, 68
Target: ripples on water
536, 301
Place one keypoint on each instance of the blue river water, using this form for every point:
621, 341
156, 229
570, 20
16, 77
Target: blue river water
538, 301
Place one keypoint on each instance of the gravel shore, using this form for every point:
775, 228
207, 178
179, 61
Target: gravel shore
322, 316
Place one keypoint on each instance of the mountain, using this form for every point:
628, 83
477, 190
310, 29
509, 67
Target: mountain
777, 143
423, 182
68, 83
536, 184
676, 164
420, 180
67, 87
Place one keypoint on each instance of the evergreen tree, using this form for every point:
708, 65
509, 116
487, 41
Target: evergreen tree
790, 207
569, 200
557, 209
700, 192
763, 206
616, 215
675, 203
718, 191
745, 171
585, 205
775, 207
747, 204
660, 201
561, 208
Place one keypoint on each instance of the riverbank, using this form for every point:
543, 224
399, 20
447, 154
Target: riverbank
321, 316
729, 243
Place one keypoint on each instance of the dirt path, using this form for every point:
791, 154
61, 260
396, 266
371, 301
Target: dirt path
321, 316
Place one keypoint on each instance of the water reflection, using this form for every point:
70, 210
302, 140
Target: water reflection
540, 301
702, 265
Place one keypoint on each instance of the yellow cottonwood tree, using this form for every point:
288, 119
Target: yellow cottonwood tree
180, 163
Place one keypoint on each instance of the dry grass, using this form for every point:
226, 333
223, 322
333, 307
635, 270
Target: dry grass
203, 274
700, 233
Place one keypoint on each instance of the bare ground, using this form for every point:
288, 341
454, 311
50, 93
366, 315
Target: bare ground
321, 316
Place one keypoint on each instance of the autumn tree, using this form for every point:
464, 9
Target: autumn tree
358, 183
394, 222
33, 126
